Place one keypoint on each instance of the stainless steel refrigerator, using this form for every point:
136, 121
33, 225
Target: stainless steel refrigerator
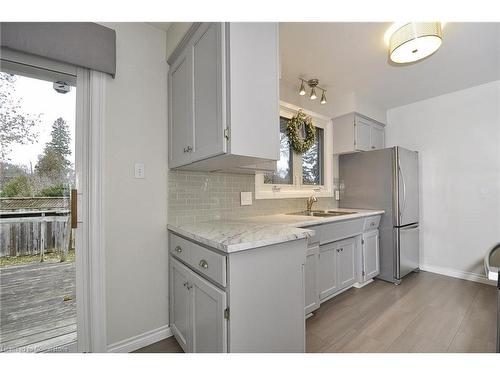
386, 179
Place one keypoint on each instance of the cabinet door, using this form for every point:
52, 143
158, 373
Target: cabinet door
370, 255
377, 137
346, 260
208, 85
327, 270
179, 304
180, 111
362, 130
208, 303
311, 279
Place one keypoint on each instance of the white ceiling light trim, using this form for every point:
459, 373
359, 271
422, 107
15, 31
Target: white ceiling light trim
412, 41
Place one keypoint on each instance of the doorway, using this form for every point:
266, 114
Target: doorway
38, 245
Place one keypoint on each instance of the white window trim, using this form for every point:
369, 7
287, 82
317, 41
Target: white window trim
297, 190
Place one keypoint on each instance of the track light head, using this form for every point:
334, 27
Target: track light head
313, 94
323, 97
302, 90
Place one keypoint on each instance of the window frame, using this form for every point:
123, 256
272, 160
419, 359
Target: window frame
298, 189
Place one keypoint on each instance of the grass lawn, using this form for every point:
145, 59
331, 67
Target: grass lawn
52, 257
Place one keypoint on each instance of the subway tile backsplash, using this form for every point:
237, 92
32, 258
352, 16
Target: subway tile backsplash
199, 196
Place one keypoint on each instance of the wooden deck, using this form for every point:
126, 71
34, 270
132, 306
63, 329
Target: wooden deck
34, 316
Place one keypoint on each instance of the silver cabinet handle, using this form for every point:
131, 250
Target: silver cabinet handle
203, 264
188, 286
189, 149
178, 249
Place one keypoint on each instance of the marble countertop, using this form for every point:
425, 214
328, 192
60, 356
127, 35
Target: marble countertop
257, 231
307, 221
231, 236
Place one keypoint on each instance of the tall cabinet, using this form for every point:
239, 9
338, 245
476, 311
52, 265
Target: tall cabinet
224, 97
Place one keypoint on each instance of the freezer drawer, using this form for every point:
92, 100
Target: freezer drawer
407, 250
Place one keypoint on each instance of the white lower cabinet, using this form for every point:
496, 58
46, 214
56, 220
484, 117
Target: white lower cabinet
311, 278
346, 263
239, 302
209, 327
179, 304
197, 311
343, 253
337, 268
370, 254
327, 270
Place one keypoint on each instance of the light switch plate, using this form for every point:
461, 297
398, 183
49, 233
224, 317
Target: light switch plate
139, 170
246, 198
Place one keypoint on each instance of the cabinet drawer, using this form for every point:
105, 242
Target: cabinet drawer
199, 258
371, 223
209, 263
180, 247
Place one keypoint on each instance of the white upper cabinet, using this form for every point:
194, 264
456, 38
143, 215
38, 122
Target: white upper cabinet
208, 132
354, 132
377, 137
224, 97
180, 127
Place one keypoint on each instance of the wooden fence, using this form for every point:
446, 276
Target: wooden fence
33, 235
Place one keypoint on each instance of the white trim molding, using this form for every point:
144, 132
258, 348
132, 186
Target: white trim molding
140, 341
458, 274
297, 190
91, 302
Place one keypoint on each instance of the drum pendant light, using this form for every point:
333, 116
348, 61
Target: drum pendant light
414, 41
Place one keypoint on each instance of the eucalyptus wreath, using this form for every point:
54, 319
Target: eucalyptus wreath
299, 144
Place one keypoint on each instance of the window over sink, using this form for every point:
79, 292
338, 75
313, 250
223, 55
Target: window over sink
299, 175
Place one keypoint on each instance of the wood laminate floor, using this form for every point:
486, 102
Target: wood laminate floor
426, 313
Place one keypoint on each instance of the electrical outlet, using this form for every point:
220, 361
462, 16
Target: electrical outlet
139, 170
246, 198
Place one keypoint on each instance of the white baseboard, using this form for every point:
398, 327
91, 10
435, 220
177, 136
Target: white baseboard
140, 341
362, 284
478, 278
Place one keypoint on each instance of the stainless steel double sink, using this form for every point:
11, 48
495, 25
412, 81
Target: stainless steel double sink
319, 213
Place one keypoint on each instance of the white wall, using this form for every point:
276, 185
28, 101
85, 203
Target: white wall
458, 138
135, 209
175, 33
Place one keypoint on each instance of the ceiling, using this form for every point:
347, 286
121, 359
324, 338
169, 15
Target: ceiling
352, 58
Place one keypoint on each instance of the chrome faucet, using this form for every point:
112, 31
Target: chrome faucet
310, 201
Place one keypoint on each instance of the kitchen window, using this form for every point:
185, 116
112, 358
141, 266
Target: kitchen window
299, 175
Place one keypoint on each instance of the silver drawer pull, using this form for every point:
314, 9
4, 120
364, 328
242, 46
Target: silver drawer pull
372, 223
178, 249
203, 264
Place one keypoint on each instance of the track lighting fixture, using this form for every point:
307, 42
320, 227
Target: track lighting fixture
313, 84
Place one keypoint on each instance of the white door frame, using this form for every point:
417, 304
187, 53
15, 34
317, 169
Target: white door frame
90, 261
89, 168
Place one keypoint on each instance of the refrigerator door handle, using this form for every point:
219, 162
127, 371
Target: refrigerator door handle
401, 211
409, 227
